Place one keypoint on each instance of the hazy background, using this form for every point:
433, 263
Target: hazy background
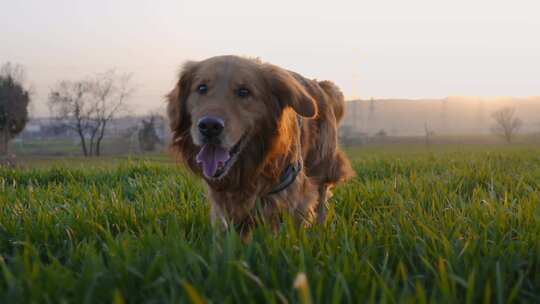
447, 117
380, 49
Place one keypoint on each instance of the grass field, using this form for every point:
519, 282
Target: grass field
453, 224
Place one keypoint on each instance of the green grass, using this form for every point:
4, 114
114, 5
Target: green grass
68, 147
453, 224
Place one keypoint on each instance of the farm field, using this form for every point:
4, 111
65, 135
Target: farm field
453, 224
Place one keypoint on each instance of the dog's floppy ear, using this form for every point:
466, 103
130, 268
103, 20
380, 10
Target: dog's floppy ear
178, 118
289, 92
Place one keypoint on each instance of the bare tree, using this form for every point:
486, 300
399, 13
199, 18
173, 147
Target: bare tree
14, 100
506, 123
88, 106
70, 104
110, 92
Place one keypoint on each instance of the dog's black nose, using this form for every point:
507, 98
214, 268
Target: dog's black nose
210, 127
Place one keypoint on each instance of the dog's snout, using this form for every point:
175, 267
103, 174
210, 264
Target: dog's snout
210, 126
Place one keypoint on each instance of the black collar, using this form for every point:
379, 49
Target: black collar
287, 177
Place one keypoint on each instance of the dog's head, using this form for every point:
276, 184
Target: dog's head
226, 110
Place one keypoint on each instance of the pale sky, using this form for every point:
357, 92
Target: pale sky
377, 48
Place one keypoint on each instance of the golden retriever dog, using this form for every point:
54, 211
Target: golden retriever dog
264, 139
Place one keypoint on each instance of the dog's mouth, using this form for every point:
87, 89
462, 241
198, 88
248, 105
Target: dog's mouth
216, 161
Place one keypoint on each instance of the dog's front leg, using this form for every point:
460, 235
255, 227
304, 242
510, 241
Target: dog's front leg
231, 208
217, 216
322, 208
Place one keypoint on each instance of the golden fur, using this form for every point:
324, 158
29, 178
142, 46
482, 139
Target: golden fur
267, 121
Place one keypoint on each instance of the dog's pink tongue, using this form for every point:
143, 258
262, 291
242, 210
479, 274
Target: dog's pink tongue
211, 157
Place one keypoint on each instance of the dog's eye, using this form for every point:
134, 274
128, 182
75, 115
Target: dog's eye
242, 92
202, 89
